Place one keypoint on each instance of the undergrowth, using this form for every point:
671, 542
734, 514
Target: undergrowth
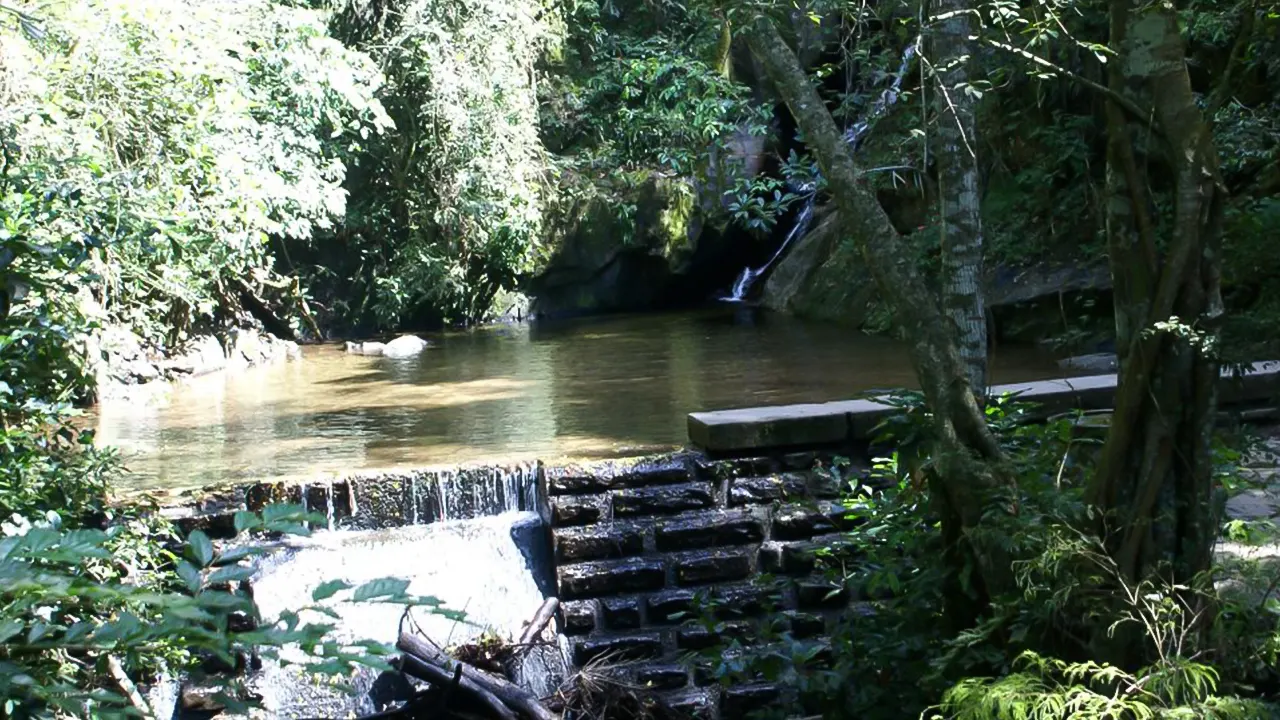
1205, 649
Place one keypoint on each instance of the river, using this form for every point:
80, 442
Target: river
580, 389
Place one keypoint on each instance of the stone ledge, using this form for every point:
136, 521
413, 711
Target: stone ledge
833, 423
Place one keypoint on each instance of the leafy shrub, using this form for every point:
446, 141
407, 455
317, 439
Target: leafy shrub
216, 128
70, 610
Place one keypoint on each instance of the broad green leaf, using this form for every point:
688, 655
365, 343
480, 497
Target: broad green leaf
200, 548
328, 589
245, 520
381, 588
190, 575
9, 628
231, 573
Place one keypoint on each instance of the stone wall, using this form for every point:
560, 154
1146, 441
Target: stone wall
639, 543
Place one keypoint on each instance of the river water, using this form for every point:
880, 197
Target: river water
582, 389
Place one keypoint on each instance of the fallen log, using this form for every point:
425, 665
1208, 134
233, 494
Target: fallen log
539, 621
512, 695
442, 678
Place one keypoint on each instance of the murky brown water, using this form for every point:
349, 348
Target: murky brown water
591, 388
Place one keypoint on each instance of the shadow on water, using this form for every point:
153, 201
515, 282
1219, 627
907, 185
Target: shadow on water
588, 388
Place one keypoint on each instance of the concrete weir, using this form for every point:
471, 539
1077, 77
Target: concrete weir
633, 548
732, 432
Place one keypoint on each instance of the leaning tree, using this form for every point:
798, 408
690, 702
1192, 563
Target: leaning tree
1151, 491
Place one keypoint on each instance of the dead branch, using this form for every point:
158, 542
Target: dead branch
515, 697
116, 669
539, 621
438, 676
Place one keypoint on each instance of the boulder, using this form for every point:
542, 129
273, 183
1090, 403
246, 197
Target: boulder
1012, 286
822, 276
203, 355
404, 346
601, 260
366, 348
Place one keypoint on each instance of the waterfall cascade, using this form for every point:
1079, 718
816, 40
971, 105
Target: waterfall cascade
471, 537
853, 136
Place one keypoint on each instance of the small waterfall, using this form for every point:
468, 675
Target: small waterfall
413, 498
853, 136
749, 275
329, 511
469, 536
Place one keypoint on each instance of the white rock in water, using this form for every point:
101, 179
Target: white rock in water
404, 346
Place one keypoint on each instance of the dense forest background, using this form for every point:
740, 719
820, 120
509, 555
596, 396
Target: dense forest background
173, 170
366, 166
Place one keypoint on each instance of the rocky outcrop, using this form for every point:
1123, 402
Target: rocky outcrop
604, 258
822, 277
122, 364
1092, 363
666, 539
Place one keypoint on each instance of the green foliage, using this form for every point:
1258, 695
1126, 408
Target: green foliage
447, 210
215, 129
637, 90
69, 607
1034, 657
1043, 688
634, 89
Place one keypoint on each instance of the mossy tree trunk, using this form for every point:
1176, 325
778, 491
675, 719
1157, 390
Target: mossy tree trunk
1153, 485
959, 198
969, 476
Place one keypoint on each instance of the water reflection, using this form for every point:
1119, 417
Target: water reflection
588, 388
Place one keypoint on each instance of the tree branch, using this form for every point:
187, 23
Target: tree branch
1129, 106
1222, 92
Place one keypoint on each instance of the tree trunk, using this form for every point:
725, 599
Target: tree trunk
969, 474
1153, 484
961, 231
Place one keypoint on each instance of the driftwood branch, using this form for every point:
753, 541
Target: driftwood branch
258, 308
438, 676
539, 621
121, 678
425, 653
1138, 113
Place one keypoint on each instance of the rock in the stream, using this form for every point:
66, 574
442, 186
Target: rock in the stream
204, 355
200, 698
404, 346
366, 348
1097, 362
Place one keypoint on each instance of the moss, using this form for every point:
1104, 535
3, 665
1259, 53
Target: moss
676, 209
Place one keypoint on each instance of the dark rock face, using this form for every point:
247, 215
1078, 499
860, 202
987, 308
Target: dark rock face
822, 276
712, 529
662, 500
621, 613
604, 263
597, 543
635, 646
713, 568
